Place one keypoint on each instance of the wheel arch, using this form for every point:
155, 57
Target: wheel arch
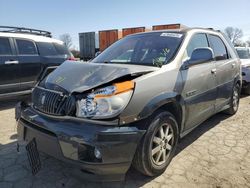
238, 80
172, 103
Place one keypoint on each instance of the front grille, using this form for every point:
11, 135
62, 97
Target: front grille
48, 101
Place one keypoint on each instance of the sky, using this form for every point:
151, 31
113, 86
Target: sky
75, 16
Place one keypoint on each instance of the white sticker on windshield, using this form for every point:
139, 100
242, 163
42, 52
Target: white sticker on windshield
175, 35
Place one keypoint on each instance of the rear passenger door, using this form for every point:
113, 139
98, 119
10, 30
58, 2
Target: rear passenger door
199, 85
225, 70
30, 63
9, 67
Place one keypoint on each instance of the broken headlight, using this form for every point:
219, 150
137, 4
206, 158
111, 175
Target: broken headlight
105, 102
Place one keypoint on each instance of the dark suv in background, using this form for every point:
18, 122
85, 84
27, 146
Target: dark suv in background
25, 55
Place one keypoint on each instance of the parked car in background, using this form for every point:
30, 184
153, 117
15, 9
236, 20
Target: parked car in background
25, 56
133, 102
244, 54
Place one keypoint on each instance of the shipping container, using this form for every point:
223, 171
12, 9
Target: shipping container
108, 37
168, 26
92, 42
128, 31
87, 45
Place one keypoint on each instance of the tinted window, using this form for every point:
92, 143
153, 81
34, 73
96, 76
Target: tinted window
52, 49
153, 49
61, 49
197, 41
46, 49
220, 51
26, 47
5, 48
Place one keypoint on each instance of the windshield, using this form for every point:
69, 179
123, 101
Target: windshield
243, 53
152, 49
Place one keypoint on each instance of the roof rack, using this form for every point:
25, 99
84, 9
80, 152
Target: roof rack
9, 29
210, 28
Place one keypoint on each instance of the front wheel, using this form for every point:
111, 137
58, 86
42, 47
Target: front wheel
158, 145
234, 102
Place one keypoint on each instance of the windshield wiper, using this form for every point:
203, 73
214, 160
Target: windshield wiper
129, 63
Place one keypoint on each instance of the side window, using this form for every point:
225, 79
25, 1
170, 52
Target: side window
61, 49
197, 41
5, 48
46, 49
219, 48
26, 47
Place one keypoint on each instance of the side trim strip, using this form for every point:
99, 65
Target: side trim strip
15, 93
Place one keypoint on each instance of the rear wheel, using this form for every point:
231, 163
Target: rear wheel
158, 145
234, 103
246, 90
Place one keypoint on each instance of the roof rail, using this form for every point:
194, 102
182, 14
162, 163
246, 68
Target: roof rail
9, 29
210, 28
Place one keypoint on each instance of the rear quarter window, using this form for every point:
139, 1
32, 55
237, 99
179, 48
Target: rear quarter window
61, 49
46, 49
52, 49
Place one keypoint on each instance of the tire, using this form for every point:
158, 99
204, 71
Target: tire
234, 103
247, 89
154, 165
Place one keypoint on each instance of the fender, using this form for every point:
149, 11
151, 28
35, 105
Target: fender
45, 73
156, 103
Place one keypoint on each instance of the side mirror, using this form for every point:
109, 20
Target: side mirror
200, 55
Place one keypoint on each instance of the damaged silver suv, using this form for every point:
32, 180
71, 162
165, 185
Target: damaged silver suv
133, 102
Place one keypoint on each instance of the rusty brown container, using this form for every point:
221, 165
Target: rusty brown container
168, 26
128, 31
107, 37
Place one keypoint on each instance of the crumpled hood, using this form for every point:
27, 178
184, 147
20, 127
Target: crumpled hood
245, 62
79, 76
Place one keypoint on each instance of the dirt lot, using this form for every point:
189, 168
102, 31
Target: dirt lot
216, 154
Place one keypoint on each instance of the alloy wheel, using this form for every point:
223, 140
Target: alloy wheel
162, 144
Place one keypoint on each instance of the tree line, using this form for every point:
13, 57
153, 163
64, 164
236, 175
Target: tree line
235, 35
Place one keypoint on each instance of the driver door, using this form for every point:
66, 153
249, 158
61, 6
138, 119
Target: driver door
199, 87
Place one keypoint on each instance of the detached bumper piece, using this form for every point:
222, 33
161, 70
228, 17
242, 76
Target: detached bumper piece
97, 151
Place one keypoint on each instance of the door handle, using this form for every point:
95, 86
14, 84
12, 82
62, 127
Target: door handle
213, 71
233, 65
11, 62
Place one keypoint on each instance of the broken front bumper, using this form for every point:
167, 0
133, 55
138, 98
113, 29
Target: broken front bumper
75, 141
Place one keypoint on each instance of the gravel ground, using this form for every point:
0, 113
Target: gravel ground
216, 154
